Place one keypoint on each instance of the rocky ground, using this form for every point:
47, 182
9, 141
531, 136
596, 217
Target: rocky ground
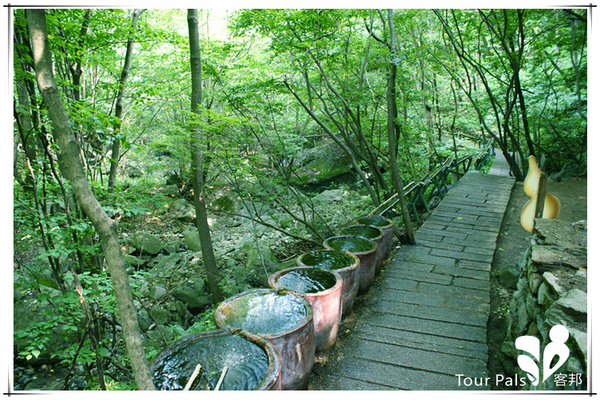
512, 243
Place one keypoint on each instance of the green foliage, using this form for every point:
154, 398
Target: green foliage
205, 323
62, 321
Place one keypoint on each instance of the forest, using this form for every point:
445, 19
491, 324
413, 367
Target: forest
165, 159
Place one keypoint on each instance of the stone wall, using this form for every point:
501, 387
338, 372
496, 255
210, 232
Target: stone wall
551, 289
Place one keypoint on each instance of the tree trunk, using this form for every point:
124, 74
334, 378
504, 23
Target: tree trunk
72, 167
116, 147
210, 263
392, 127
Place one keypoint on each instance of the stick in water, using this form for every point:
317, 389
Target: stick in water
193, 377
221, 378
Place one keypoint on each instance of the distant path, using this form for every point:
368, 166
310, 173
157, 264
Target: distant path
425, 319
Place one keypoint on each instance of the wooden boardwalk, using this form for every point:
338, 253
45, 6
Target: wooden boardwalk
424, 321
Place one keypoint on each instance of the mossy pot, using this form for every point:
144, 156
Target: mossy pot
374, 233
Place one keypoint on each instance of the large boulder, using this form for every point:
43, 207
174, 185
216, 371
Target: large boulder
191, 238
146, 242
320, 164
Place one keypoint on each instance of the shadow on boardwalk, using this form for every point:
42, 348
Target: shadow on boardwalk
424, 321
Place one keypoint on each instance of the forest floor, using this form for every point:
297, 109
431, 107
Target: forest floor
512, 243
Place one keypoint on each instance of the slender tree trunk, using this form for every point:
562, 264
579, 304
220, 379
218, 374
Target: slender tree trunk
210, 263
116, 147
72, 167
75, 67
393, 127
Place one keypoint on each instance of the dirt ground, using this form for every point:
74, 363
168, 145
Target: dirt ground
513, 241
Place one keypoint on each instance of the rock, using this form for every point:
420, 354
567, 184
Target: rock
181, 308
193, 294
170, 248
553, 282
321, 164
260, 259
546, 257
225, 203
535, 280
134, 261
581, 339
133, 171
165, 264
160, 315
156, 292
160, 336
336, 195
570, 307
185, 211
554, 232
144, 320
545, 295
147, 243
171, 190
509, 275
191, 239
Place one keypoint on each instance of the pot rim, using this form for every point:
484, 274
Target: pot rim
380, 229
358, 253
273, 370
221, 320
370, 216
349, 267
275, 277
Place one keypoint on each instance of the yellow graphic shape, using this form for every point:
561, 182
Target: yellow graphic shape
551, 211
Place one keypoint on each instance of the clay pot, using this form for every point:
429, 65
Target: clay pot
364, 249
282, 318
386, 226
252, 362
323, 290
375, 234
344, 263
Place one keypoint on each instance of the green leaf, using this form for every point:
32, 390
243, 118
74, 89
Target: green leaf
103, 351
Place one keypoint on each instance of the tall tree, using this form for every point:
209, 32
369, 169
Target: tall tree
393, 125
73, 169
208, 256
116, 147
394, 128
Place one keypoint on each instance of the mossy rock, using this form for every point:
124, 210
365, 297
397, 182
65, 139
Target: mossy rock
321, 164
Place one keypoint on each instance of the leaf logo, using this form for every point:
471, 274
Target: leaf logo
530, 363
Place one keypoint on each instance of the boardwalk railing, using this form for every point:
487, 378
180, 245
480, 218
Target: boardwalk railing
417, 193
